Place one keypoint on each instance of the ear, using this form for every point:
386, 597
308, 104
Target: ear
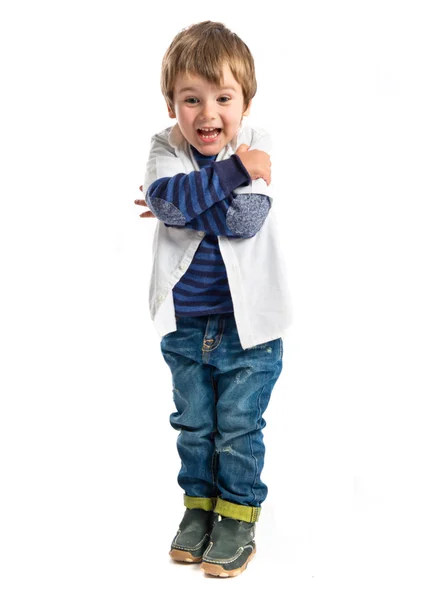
247, 110
171, 112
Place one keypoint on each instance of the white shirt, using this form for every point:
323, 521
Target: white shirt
255, 266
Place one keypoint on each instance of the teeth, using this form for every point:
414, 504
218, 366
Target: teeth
209, 132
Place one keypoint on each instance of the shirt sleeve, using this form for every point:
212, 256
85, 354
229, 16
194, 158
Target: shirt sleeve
179, 199
239, 215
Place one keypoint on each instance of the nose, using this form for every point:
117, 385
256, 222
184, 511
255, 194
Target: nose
208, 111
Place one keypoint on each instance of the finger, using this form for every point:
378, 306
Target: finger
140, 202
141, 188
147, 214
242, 148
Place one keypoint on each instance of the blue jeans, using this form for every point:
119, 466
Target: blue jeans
220, 392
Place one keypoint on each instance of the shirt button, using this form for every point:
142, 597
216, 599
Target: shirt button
182, 267
201, 234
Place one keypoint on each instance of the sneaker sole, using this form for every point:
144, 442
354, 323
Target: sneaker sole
183, 556
219, 571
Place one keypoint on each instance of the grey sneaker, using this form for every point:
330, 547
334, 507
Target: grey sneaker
231, 548
193, 535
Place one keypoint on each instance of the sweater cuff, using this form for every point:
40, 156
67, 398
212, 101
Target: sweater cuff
232, 173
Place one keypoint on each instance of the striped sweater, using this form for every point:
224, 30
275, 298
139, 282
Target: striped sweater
204, 200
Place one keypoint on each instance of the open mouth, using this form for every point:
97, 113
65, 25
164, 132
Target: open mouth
208, 134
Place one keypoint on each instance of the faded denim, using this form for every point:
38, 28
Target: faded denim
220, 393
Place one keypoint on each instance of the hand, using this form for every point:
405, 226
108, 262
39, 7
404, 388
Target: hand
148, 213
256, 162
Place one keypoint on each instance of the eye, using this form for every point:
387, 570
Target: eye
191, 100
224, 99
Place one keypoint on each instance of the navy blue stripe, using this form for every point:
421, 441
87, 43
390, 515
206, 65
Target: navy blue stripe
187, 296
219, 218
203, 199
197, 290
190, 309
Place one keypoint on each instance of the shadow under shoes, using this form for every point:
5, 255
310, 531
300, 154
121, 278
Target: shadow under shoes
231, 548
193, 535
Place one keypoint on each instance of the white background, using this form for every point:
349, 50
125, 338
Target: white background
89, 499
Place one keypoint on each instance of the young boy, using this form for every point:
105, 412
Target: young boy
217, 291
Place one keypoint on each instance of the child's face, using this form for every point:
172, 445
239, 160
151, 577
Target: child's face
199, 104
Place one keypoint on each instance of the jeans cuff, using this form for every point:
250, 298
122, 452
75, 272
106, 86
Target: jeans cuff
204, 503
250, 514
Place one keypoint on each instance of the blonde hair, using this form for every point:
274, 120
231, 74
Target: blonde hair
202, 50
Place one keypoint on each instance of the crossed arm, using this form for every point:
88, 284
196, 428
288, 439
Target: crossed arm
204, 200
